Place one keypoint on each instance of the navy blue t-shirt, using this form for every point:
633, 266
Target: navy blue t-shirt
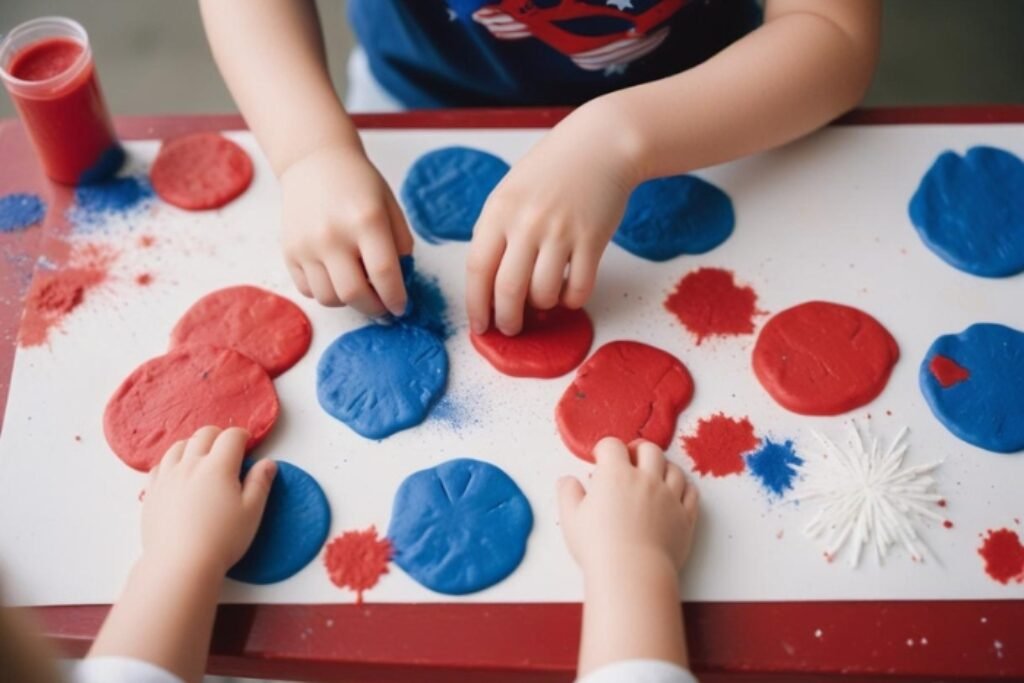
451, 53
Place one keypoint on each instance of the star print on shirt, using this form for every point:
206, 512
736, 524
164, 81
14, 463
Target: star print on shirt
620, 4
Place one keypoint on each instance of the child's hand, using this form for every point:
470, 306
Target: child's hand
196, 512
635, 512
557, 207
343, 232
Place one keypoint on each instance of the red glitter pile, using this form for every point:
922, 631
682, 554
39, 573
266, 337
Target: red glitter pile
708, 302
1004, 556
357, 559
719, 445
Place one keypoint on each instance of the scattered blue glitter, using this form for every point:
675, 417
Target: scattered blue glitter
20, 211
452, 413
774, 465
95, 204
426, 306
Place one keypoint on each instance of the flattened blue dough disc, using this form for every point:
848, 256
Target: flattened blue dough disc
667, 217
970, 211
381, 379
459, 527
981, 399
294, 527
445, 191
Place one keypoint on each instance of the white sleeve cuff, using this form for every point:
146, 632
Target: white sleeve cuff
119, 670
639, 671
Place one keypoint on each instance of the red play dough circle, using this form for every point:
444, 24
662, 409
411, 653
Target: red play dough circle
266, 327
200, 171
627, 390
169, 397
821, 358
551, 344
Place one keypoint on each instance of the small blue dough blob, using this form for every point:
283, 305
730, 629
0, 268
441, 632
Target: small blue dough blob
445, 190
970, 211
294, 528
987, 408
21, 210
459, 527
381, 379
667, 217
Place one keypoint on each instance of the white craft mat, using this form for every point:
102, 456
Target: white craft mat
822, 219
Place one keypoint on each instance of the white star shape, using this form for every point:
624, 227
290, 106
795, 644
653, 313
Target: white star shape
615, 69
620, 4
868, 496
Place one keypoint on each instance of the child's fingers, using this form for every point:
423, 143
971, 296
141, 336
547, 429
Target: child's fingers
511, 285
582, 275
649, 458
351, 286
399, 227
570, 495
174, 453
380, 259
229, 449
548, 275
200, 443
484, 256
675, 480
610, 451
691, 498
256, 486
299, 278
320, 284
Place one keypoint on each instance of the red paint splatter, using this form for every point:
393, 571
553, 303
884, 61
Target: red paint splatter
708, 302
718, 446
143, 279
146, 241
947, 371
942, 503
357, 559
1003, 555
948, 524
55, 293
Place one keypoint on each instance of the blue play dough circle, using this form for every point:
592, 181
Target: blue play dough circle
294, 527
21, 210
987, 408
459, 527
445, 190
667, 217
381, 379
970, 211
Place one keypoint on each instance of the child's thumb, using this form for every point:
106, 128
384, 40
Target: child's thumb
256, 486
570, 494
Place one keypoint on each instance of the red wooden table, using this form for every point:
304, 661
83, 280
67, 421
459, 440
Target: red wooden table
503, 642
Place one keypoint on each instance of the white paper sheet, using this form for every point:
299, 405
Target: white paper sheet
822, 219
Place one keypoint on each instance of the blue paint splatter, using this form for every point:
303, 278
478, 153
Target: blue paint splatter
774, 465
970, 211
20, 211
667, 217
987, 408
95, 204
426, 306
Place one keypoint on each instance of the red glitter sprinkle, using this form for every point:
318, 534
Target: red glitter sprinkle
1003, 555
708, 302
947, 371
948, 524
146, 241
55, 293
942, 503
719, 444
143, 279
357, 559
78, 437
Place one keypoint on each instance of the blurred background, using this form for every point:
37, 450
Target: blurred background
153, 57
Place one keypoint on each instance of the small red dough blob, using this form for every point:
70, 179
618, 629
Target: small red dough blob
551, 344
1003, 555
821, 358
266, 327
946, 371
169, 397
200, 171
357, 559
627, 390
708, 302
718, 446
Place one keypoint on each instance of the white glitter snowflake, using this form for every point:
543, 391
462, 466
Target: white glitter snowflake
868, 496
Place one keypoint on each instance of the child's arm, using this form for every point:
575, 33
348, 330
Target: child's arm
198, 519
630, 531
343, 229
559, 205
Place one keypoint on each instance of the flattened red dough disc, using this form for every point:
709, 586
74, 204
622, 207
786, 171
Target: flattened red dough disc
168, 397
200, 171
266, 327
627, 390
821, 358
551, 344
